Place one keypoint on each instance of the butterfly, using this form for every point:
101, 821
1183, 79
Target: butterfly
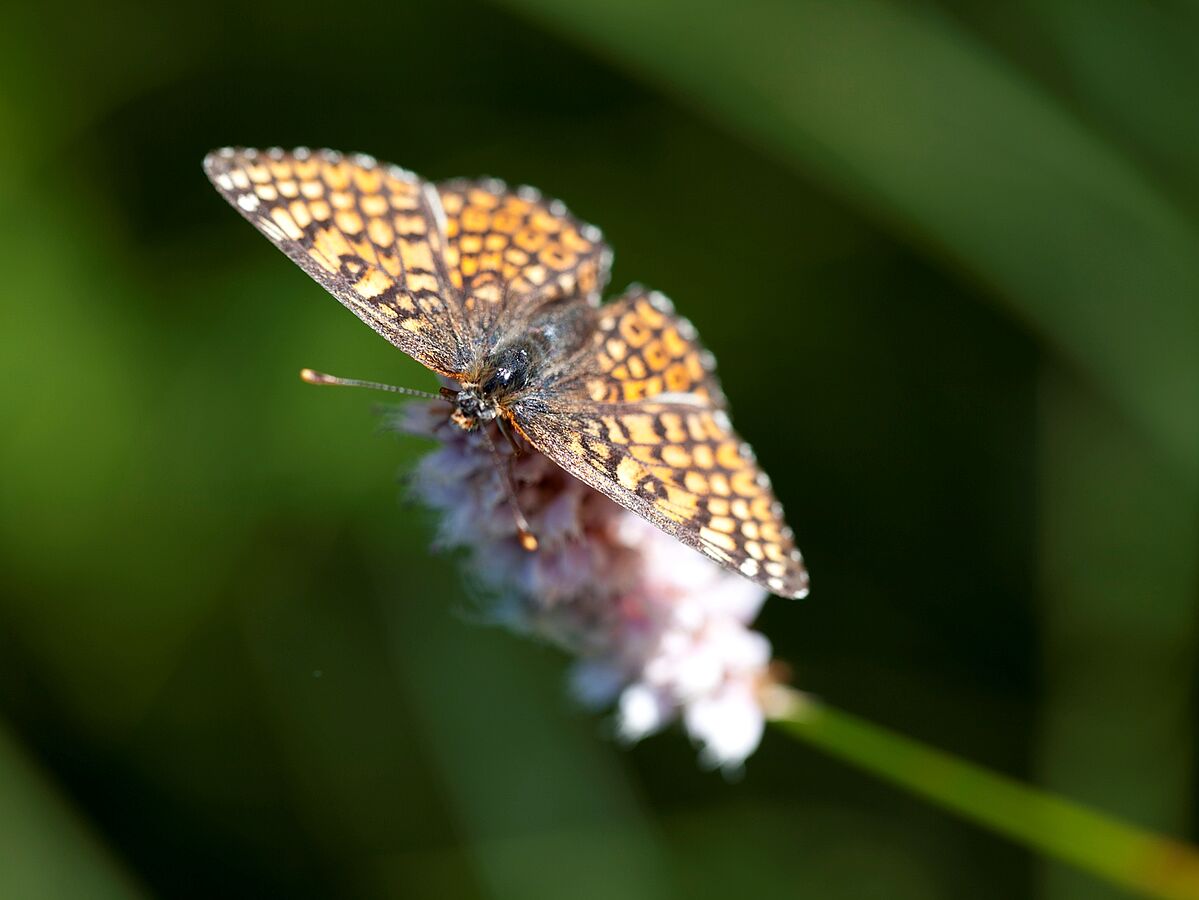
499, 290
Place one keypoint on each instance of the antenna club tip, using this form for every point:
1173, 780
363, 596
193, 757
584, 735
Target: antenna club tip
311, 376
528, 541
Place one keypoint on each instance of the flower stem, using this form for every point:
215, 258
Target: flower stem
1147, 863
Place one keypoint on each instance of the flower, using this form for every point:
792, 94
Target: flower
660, 632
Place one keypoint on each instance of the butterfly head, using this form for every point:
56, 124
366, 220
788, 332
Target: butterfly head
499, 377
472, 408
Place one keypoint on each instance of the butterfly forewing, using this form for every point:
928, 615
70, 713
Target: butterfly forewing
368, 232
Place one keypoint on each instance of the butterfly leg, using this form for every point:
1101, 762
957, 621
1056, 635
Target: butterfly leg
517, 449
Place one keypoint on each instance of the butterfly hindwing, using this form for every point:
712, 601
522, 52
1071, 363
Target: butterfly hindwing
508, 251
645, 424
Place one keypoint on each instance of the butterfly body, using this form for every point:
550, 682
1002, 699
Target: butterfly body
499, 290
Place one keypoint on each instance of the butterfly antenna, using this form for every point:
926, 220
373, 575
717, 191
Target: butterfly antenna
527, 539
313, 377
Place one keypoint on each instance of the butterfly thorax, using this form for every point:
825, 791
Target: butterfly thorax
493, 383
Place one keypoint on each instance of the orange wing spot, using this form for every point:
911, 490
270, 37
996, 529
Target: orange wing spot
556, 258
720, 484
366, 250
641, 429
374, 205
676, 456
474, 219
672, 424
728, 456
373, 283
484, 199
312, 189
529, 239
770, 531
336, 175
761, 508
572, 240
320, 210
675, 345
642, 453
715, 432
715, 538
634, 391
615, 434
655, 356
723, 523
505, 222
702, 455
306, 168
405, 201
745, 483
286, 223
416, 256
332, 244
381, 232
681, 504
773, 550
649, 315
629, 472
490, 261
348, 221
696, 482
634, 331
391, 264
301, 213
677, 379
369, 181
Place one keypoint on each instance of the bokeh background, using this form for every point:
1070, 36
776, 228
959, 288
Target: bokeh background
947, 254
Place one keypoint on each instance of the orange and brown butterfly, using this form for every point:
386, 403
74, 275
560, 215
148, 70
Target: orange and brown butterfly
499, 290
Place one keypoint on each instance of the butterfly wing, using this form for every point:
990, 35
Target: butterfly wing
368, 232
434, 269
511, 251
643, 421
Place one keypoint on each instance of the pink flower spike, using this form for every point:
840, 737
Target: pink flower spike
659, 631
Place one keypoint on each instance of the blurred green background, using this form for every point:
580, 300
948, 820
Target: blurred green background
946, 254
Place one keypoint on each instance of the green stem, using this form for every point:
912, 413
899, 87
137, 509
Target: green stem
1150, 864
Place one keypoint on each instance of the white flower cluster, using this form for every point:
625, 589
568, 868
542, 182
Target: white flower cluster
659, 630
